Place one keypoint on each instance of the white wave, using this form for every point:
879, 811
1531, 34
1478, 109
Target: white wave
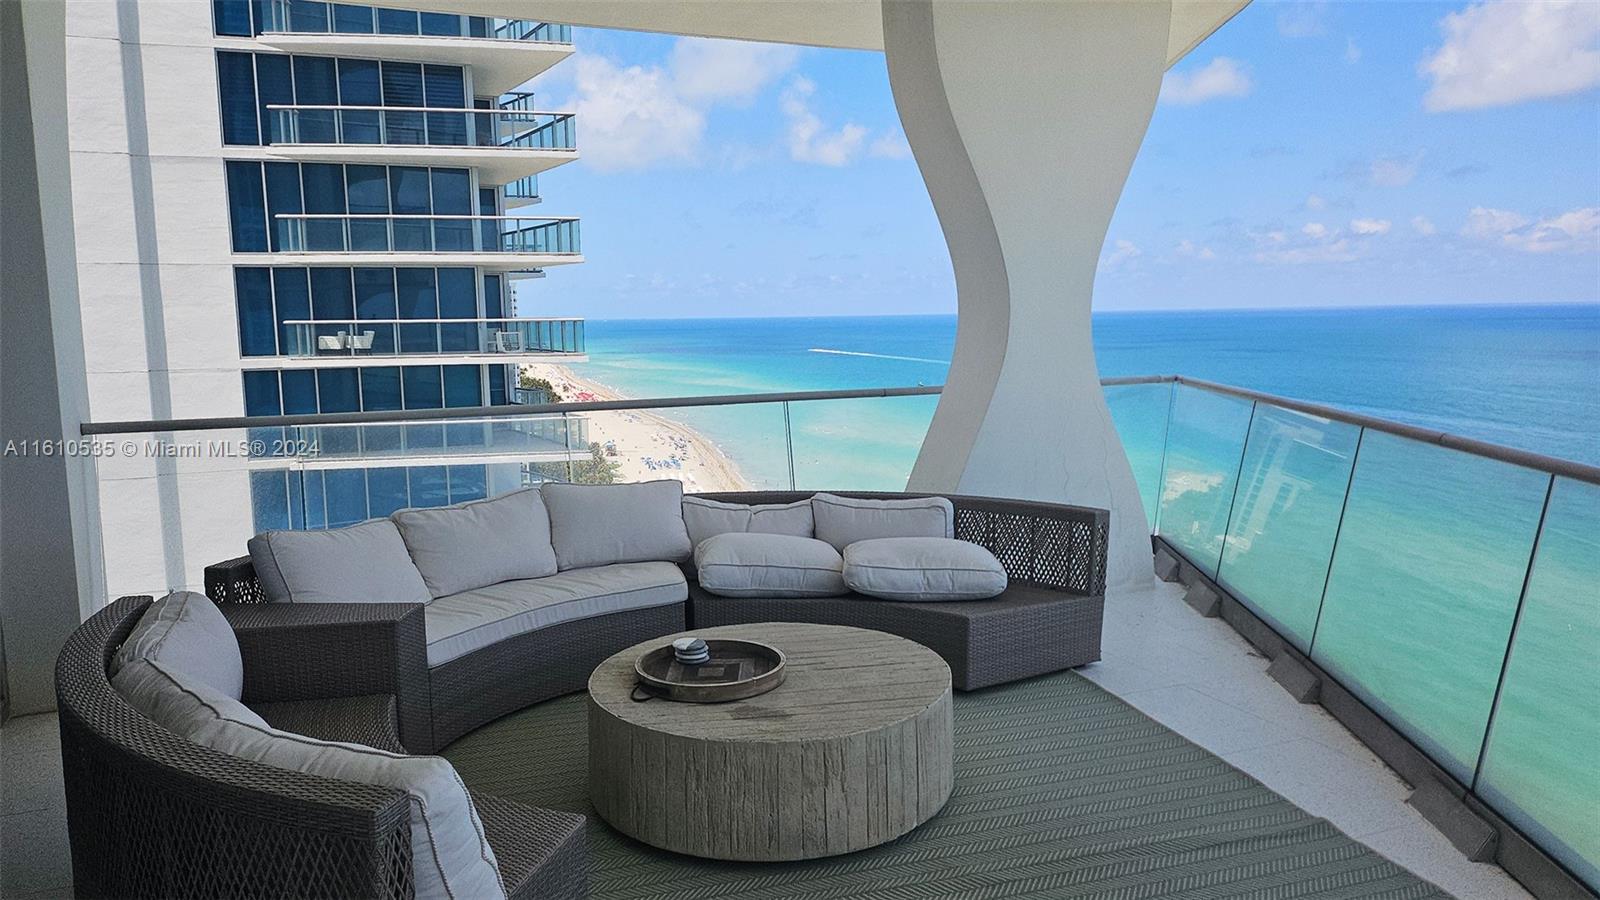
942, 362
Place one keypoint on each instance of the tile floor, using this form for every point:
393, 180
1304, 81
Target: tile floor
1193, 674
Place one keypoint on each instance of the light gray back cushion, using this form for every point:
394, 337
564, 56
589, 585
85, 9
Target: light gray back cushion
706, 518
922, 569
768, 565
185, 632
601, 524
472, 545
450, 856
365, 563
841, 521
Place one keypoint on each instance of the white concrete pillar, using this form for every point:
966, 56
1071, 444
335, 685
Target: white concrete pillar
1024, 118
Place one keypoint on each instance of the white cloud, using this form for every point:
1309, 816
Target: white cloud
1370, 226
1576, 230
809, 140
1121, 252
1498, 54
1352, 53
1314, 230
1394, 172
1192, 250
637, 116
891, 145
1222, 77
1423, 225
734, 71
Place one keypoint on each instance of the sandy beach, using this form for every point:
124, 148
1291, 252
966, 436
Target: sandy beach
645, 446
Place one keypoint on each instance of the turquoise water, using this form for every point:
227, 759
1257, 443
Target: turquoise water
1523, 376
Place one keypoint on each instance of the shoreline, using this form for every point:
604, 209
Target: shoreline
645, 446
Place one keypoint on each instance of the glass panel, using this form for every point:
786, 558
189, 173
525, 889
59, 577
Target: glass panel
1285, 515
292, 297
283, 196
316, 83
261, 394
1204, 443
275, 87
232, 17
346, 496
860, 445
428, 486
441, 24
299, 392
359, 85
386, 491
247, 207
338, 391
397, 21
257, 330
1540, 763
308, 15
1139, 412
445, 87
402, 86
350, 19
269, 501
380, 388
236, 80
467, 483
415, 292
1424, 586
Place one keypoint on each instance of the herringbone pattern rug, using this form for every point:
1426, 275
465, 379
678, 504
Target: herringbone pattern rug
1062, 790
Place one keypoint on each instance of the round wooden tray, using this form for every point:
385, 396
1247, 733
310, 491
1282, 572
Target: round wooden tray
737, 670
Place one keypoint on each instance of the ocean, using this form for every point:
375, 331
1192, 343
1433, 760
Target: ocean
1525, 376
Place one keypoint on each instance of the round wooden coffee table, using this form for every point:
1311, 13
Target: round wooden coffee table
852, 750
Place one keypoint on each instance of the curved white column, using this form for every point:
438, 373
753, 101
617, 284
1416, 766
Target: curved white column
1025, 118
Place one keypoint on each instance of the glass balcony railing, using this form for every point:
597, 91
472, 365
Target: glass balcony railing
554, 437
378, 233
1451, 586
416, 337
422, 126
525, 189
313, 17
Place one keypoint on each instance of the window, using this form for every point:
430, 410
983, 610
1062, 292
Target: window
348, 19
359, 85
463, 386
386, 491
441, 24
269, 501
299, 392
257, 325
493, 306
467, 483
380, 388
497, 386
397, 21
422, 387
375, 300
308, 15
452, 196
261, 394
444, 87
416, 299
345, 493
292, 297
338, 391
283, 196
236, 84
429, 486
316, 84
458, 299
316, 500
274, 85
231, 17
368, 195
247, 208
322, 185
402, 86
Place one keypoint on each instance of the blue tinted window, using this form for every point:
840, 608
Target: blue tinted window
348, 19
402, 86
292, 296
408, 190
487, 202
308, 15
299, 392
359, 86
452, 192
283, 196
247, 207
338, 391
231, 17
397, 21
369, 189
428, 486
463, 386
422, 387
252, 289
315, 84
380, 388
458, 299
297, 500
261, 394
324, 187
415, 296
375, 294
236, 81
493, 307
497, 386
269, 501
316, 499
467, 483
441, 24
331, 300
274, 85
346, 496
477, 26
386, 491
445, 88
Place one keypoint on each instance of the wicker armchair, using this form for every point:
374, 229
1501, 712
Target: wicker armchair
151, 814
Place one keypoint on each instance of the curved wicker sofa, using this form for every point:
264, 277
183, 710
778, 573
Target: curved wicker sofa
151, 814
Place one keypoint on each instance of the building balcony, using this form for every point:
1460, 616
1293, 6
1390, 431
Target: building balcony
504, 145
380, 341
502, 53
492, 243
522, 192
464, 441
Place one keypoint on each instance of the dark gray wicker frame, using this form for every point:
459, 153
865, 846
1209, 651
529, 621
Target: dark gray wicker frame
150, 814
1048, 619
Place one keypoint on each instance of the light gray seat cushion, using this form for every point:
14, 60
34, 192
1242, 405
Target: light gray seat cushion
468, 621
458, 548
708, 518
768, 565
365, 563
922, 569
185, 632
450, 855
841, 521
601, 524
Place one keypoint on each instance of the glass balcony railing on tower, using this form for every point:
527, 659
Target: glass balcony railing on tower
523, 191
377, 233
418, 337
312, 17
422, 126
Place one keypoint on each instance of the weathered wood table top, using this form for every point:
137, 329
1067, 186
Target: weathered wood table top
852, 750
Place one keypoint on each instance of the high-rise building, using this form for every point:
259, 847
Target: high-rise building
292, 207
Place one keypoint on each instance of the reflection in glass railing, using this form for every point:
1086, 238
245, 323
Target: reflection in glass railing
422, 126
1205, 439
333, 233
417, 337
1140, 412
1285, 516
867, 444
1542, 757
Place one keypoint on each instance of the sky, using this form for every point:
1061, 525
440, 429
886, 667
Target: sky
1306, 155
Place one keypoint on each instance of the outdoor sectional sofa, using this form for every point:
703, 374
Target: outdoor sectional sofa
153, 814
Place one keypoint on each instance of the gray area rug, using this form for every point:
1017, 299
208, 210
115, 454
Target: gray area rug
1062, 790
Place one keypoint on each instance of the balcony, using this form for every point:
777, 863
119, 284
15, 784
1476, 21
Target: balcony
493, 243
379, 341
504, 145
547, 440
503, 53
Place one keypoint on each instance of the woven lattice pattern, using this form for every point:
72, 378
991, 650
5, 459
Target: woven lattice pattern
233, 581
1061, 790
542, 853
367, 719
